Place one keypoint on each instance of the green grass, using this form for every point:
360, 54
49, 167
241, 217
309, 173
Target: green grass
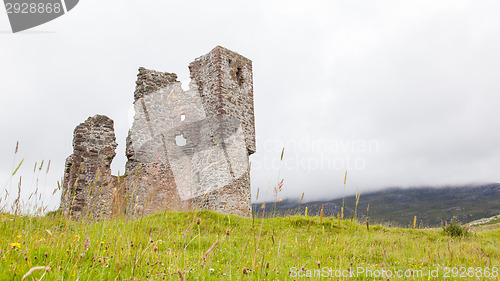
487, 224
161, 246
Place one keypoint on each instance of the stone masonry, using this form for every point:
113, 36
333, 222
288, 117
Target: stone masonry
88, 185
186, 149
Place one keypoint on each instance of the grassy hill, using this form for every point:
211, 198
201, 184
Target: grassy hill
492, 223
396, 206
210, 246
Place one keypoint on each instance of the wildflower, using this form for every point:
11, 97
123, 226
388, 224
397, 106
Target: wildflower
198, 221
15, 245
19, 236
77, 236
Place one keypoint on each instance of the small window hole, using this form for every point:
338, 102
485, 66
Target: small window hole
239, 76
180, 140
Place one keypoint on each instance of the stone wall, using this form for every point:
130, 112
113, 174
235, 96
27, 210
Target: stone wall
225, 84
185, 150
88, 186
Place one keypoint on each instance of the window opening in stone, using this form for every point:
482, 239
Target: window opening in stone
180, 140
239, 76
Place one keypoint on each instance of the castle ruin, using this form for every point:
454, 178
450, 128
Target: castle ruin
186, 149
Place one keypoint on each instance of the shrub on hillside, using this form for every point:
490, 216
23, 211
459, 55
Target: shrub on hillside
455, 230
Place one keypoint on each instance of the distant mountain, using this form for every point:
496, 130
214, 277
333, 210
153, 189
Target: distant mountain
397, 206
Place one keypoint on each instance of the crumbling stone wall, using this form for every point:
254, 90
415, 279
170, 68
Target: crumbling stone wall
88, 186
151, 185
186, 149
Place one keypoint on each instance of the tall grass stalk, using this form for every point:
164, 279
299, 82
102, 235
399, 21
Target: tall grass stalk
343, 195
321, 213
357, 202
279, 185
260, 233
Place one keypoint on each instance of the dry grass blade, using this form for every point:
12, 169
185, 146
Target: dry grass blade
180, 275
169, 95
280, 185
33, 269
321, 215
282, 152
357, 196
211, 249
86, 246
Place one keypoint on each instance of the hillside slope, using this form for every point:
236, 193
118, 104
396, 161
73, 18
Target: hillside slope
432, 206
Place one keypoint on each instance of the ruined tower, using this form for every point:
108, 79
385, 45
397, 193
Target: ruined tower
187, 149
88, 186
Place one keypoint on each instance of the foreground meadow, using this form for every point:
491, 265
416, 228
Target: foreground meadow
210, 246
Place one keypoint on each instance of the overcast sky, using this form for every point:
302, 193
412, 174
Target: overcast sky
399, 93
